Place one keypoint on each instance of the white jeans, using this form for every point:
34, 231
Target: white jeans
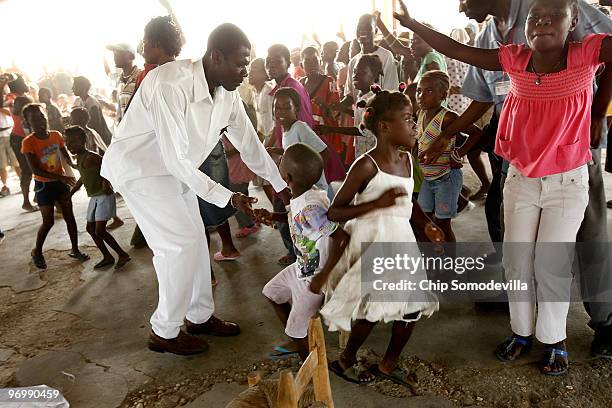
542, 210
167, 212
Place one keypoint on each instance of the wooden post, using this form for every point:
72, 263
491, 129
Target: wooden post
320, 378
253, 378
287, 397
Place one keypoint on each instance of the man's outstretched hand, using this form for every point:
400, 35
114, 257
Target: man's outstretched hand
243, 203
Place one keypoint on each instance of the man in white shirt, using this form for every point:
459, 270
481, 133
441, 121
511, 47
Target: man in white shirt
366, 28
174, 121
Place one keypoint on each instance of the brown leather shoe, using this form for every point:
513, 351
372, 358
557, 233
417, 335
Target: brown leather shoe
183, 344
213, 327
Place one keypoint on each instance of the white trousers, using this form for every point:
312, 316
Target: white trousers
541, 214
168, 215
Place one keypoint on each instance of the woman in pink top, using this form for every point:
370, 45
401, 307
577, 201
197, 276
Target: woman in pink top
544, 132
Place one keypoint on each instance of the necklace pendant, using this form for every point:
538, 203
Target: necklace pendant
538, 81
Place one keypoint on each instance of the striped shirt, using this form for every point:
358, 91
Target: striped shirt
126, 86
426, 136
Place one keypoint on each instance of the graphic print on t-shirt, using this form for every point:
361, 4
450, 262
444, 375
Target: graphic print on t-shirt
307, 227
50, 157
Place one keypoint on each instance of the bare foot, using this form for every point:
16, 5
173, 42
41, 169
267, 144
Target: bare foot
107, 261
29, 208
122, 261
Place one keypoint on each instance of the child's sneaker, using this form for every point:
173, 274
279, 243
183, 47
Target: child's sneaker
246, 231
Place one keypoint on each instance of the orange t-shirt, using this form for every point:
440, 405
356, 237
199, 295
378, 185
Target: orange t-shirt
47, 151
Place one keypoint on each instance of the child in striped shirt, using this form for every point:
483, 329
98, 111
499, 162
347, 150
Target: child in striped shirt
443, 178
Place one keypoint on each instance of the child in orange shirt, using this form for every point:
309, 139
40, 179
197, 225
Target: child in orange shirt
43, 150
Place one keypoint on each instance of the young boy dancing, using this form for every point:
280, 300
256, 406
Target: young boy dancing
102, 203
295, 291
43, 150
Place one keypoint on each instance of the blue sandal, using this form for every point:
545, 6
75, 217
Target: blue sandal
281, 353
508, 348
550, 356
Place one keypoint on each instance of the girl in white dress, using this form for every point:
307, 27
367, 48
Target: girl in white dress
375, 202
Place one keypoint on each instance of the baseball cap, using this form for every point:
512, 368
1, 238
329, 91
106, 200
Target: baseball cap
121, 47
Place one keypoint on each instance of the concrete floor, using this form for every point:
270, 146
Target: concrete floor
84, 331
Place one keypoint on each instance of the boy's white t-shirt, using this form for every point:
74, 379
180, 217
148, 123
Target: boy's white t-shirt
300, 132
310, 230
389, 80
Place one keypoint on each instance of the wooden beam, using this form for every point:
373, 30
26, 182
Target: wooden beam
320, 379
287, 397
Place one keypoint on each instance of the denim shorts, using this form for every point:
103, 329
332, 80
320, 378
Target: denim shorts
48, 192
442, 194
101, 208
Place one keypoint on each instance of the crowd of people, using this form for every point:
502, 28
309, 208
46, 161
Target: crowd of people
394, 117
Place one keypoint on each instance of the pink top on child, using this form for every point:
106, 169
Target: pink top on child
545, 129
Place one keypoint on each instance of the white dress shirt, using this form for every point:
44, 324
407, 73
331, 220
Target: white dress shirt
390, 79
172, 125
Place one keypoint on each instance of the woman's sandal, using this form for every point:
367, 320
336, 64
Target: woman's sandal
398, 376
506, 351
78, 255
550, 357
355, 378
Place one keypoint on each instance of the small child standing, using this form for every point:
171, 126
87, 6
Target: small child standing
441, 187
43, 150
375, 201
102, 203
286, 107
318, 241
547, 189
93, 143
